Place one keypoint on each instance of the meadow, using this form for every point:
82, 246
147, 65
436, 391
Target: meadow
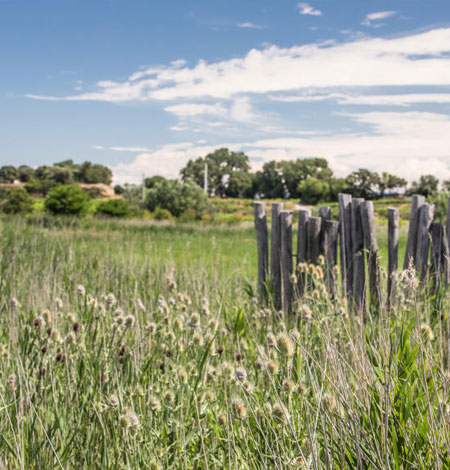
133, 344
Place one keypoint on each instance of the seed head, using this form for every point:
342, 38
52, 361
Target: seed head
285, 345
15, 303
81, 290
129, 321
38, 322
272, 366
194, 322
155, 404
280, 413
113, 401
288, 385
239, 408
240, 373
110, 300
58, 303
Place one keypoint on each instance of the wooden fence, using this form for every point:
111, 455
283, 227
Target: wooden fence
353, 237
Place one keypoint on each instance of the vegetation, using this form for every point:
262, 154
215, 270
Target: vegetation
15, 201
67, 199
150, 351
114, 208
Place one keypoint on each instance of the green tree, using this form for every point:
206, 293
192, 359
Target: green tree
94, 173
241, 184
16, 201
26, 173
153, 180
67, 199
222, 163
269, 181
8, 174
313, 190
388, 181
362, 183
426, 186
176, 197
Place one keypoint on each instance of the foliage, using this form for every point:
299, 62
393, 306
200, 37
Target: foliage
162, 214
113, 208
8, 174
440, 201
25, 173
16, 201
35, 186
313, 190
176, 197
426, 186
362, 183
67, 200
152, 181
390, 182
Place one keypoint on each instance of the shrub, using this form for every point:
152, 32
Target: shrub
177, 197
114, 208
162, 214
67, 199
35, 186
17, 201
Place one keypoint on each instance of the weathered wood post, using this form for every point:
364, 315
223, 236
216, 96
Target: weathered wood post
324, 214
275, 249
314, 239
426, 213
286, 260
345, 217
259, 209
436, 265
331, 231
411, 244
393, 228
302, 246
359, 272
370, 240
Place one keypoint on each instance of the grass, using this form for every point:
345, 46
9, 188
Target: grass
134, 345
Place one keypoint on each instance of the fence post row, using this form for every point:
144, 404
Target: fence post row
357, 235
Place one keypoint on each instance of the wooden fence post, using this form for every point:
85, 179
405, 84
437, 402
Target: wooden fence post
359, 272
259, 209
393, 227
286, 260
426, 213
345, 218
370, 240
331, 231
302, 246
275, 248
314, 239
324, 214
411, 244
436, 265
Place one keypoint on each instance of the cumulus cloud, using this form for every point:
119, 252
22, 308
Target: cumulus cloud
307, 9
372, 18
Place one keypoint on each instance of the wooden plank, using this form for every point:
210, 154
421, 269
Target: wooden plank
286, 260
345, 201
314, 224
275, 249
324, 214
331, 231
259, 209
426, 213
359, 272
411, 244
370, 241
445, 261
437, 238
302, 246
393, 230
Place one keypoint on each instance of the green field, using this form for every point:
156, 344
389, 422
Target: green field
180, 368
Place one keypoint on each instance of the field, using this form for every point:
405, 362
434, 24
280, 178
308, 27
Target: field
134, 345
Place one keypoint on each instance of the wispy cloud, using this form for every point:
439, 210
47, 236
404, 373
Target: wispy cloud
307, 9
375, 17
249, 25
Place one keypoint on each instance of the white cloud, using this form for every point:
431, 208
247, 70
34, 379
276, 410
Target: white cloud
421, 59
377, 16
196, 109
249, 25
307, 9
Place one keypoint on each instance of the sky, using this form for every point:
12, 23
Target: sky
144, 86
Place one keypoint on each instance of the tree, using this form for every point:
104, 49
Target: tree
426, 186
269, 181
26, 173
118, 189
313, 190
8, 174
362, 183
67, 200
389, 181
17, 201
153, 180
176, 197
93, 173
241, 184
221, 165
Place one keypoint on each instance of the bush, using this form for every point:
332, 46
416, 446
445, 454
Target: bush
162, 214
35, 186
67, 199
17, 201
177, 198
114, 208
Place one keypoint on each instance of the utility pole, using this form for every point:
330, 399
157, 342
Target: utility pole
205, 184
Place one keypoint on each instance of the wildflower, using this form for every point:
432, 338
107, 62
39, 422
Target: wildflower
306, 312
335, 269
155, 404
280, 413
194, 322
222, 419
427, 332
285, 345
295, 334
76, 327
92, 302
46, 314
272, 366
151, 327
212, 324
58, 303
288, 385
318, 272
129, 321
197, 339
15, 303
12, 381
183, 375
113, 401
241, 374
321, 260
39, 321
239, 408
70, 338
110, 300
169, 397
293, 279
56, 337
81, 290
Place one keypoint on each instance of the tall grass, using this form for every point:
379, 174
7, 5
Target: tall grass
133, 346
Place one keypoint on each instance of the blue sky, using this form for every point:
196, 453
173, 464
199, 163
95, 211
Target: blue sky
143, 86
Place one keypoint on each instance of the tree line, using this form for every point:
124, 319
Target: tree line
43, 178
309, 179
